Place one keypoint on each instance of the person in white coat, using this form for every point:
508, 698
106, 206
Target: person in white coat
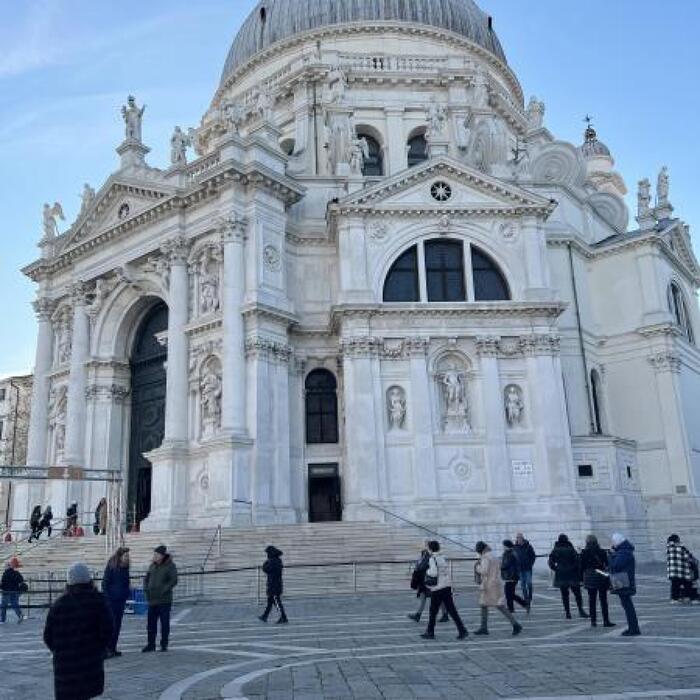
439, 583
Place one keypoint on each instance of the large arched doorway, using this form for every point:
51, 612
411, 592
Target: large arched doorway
147, 408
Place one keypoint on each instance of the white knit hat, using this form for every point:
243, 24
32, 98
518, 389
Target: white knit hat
78, 573
617, 539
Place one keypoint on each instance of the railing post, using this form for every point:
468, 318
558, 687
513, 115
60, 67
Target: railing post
354, 577
452, 577
218, 535
29, 597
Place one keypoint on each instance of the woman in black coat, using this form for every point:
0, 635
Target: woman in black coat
34, 520
115, 586
273, 569
564, 562
78, 630
593, 560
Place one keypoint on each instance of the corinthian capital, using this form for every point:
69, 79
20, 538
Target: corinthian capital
44, 308
176, 250
78, 293
232, 227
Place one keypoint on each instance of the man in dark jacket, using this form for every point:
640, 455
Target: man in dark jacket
510, 574
273, 569
622, 563
526, 558
158, 589
77, 631
12, 585
564, 562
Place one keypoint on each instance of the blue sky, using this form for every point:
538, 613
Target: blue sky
66, 66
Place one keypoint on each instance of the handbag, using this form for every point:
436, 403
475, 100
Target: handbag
619, 580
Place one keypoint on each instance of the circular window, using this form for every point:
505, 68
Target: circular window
123, 211
441, 191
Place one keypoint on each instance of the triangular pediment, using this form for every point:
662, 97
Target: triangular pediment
443, 184
679, 241
117, 201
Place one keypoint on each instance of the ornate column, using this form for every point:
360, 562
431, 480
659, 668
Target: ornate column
176, 402
39, 418
74, 454
233, 415
497, 461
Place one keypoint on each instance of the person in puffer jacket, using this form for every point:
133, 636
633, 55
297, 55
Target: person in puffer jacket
439, 584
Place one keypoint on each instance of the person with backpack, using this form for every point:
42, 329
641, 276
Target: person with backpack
622, 567
34, 520
273, 570
594, 560
438, 581
564, 562
681, 569
510, 573
12, 585
526, 558
487, 572
418, 584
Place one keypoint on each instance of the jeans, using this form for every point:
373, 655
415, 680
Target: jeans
630, 613
162, 613
274, 600
10, 599
526, 584
602, 593
576, 590
511, 595
443, 596
117, 608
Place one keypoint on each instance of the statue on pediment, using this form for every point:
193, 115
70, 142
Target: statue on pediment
179, 142
51, 213
133, 117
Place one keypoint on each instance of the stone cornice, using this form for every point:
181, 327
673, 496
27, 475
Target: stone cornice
411, 211
201, 326
269, 312
518, 346
664, 330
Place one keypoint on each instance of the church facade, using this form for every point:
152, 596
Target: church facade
379, 282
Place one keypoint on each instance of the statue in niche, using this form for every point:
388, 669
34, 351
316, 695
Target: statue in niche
209, 293
210, 393
263, 104
463, 131
396, 407
514, 405
51, 213
535, 114
63, 342
336, 85
455, 410
179, 142
57, 414
358, 155
340, 138
437, 120
133, 117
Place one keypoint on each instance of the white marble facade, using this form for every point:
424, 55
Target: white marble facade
324, 156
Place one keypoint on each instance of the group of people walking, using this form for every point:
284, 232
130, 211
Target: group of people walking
594, 568
40, 521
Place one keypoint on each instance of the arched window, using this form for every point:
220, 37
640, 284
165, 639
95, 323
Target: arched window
373, 164
321, 407
401, 284
679, 310
489, 283
436, 270
417, 150
597, 396
444, 270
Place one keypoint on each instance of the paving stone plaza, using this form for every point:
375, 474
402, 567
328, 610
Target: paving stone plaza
365, 648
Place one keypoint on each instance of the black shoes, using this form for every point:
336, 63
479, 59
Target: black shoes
517, 629
630, 633
148, 648
262, 618
415, 617
163, 648
583, 614
463, 634
568, 616
282, 621
425, 635
608, 624
481, 632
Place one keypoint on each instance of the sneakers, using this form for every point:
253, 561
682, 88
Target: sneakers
517, 629
262, 618
282, 621
481, 632
415, 617
630, 633
463, 634
425, 635
148, 648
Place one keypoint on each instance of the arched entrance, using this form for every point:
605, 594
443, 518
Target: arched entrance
148, 358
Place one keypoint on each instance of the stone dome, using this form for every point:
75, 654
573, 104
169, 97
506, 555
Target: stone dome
591, 146
273, 21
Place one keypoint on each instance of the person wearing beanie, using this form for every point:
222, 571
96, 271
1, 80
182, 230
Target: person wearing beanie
488, 578
622, 580
564, 562
272, 568
681, 570
158, 587
510, 573
12, 586
439, 583
77, 632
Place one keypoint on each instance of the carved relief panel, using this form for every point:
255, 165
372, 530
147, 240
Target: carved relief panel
206, 274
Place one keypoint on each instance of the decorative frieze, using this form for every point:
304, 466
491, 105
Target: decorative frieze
109, 392
517, 346
361, 346
665, 361
403, 348
266, 349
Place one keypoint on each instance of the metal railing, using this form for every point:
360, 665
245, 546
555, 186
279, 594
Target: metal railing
216, 539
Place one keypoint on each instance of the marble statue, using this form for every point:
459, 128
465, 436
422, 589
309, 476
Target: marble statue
87, 197
263, 104
51, 213
210, 392
514, 406
462, 126
208, 293
133, 116
643, 197
437, 120
453, 389
396, 407
662, 188
481, 89
340, 137
179, 143
535, 113
454, 405
63, 345
336, 85
358, 154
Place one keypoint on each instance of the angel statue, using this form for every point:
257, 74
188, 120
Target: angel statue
133, 117
178, 146
359, 153
87, 197
51, 213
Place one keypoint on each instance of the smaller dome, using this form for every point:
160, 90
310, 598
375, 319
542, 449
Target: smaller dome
591, 147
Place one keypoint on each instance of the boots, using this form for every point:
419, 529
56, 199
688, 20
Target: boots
484, 626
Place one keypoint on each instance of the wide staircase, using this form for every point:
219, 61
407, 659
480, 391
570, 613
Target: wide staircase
333, 557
